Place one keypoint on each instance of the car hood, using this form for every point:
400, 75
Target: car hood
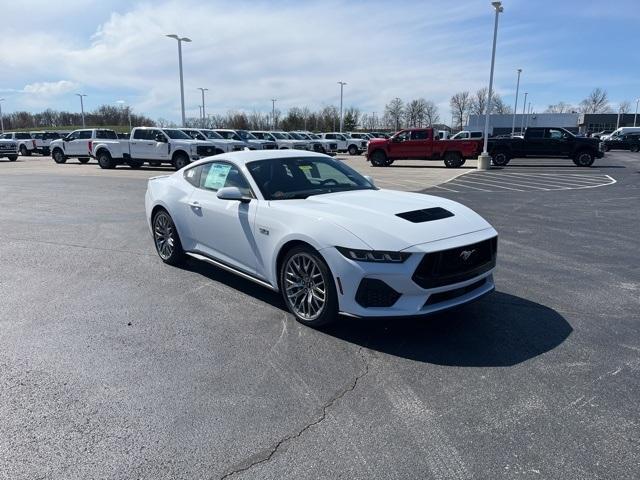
371, 215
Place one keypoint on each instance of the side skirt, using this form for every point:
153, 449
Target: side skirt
231, 269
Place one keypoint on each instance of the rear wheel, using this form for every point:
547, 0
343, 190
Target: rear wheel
500, 158
105, 161
634, 148
453, 160
584, 159
308, 288
180, 161
379, 159
83, 159
166, 239
58, 156
23, 151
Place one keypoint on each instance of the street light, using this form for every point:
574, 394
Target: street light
515, 107
2, 121
342, 84
528, 114
635, 115
524, 105
81, 106
180, 40
122, 103
273, 113
484, 160
203, 114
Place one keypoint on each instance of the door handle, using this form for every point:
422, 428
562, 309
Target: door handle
194, 204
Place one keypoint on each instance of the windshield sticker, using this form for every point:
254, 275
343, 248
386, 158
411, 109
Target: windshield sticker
217, 176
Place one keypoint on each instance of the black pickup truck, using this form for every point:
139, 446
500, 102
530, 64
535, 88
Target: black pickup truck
546, 142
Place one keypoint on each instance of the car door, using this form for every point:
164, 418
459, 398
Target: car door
557, 142
535, 143
141, 144
398, 147
79, 146
224, 229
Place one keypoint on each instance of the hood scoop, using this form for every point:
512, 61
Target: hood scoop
425, 215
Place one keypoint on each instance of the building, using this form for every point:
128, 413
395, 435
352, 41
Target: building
597, 122
501, 124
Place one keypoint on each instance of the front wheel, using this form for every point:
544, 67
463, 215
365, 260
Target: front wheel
308, 288
634, 148
584, 159
453, 160
180, 161
83, 159
58, 156
379, 159
353, 150
166, 239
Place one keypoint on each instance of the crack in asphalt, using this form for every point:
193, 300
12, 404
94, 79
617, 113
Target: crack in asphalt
349, 388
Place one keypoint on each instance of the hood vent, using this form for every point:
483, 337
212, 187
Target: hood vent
425, 215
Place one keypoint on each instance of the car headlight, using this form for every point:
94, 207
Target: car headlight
373, 255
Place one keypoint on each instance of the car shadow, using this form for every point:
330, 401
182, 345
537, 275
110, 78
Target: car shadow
555, 165
499, 330
438, 166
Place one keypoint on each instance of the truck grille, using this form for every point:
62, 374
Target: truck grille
8, 147
206, 150
457, 264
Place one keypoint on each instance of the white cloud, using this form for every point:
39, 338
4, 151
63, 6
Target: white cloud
50, 89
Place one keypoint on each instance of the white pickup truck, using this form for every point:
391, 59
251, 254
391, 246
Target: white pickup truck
250, 140
26, 144
8, 149
223, 145
43, 141
153, 145
283, 141
330, 147
78, 144
354, 146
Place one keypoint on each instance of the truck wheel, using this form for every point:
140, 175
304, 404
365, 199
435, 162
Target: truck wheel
58, 156
634, 148
13, 158
379, 159
135, 164
180, 161
105, 161
23, 151
584, 159
353, 150
453, 160
83, 159
500, 159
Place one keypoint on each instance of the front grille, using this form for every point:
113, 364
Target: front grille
456, 264
206, 150
317, 147
270, 146
451, 294
375, 293
8, 147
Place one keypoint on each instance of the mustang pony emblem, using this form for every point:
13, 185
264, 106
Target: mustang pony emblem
466, 254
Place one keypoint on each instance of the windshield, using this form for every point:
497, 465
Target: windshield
296, 136
229, 135
314, 136
290, 178
278, 135
246, 135
176, 134
211, 134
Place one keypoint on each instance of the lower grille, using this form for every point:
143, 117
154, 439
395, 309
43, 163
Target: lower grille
451, 294
457, 264
375, 293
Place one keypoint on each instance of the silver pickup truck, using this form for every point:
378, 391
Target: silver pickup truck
8, 149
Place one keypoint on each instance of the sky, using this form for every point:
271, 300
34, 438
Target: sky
248, 52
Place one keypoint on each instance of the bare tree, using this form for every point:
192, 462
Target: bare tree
596, 102
499, 107
624, 107
394, 111
415, 112
460, 104
478, 104
431, 113
560, 107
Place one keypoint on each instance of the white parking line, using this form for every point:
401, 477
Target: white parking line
527, 185
467, 186
551, 181
483, 182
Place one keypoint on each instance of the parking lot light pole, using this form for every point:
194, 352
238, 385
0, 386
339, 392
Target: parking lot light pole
2, 120
81, 95
203, 114
524, 106
273, 113
635, 115
484, 160
180, 40
342, 84
515, 107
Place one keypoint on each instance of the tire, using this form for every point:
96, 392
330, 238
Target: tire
105, 161
23, 151
379, 159
83, 159
135, 164
453, 160
155, 164
634, 148
353, 150
12, 158
584, 159
166, 238
180, 161
500, 158
304, 272
58, 156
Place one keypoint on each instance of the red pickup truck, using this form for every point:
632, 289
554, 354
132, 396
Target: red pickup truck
420, 144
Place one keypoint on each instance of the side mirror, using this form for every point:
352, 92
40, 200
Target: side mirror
395, 139
65, 139
369, 179
160, 138
232, 193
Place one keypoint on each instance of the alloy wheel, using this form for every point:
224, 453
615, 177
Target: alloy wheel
305, 286
163, 234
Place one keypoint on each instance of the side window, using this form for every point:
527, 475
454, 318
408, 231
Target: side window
554, 134
330, 136
536, 134
192, 175
404, 136
84, 134
419, 135
73, 135
140, 134
216, 175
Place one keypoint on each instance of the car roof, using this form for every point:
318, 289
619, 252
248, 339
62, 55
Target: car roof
246, 156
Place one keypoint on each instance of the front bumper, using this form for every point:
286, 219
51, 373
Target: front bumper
405, 297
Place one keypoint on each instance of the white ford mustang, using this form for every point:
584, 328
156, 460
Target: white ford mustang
311, 227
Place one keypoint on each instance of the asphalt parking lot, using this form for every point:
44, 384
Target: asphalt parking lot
114, 365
